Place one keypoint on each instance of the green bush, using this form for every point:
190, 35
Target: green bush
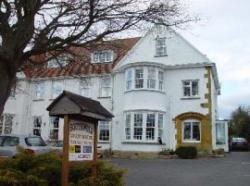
45, 170
186, 152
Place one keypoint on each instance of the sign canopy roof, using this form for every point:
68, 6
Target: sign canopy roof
69, 103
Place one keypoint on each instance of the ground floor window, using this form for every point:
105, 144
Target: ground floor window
6, 123
54, 128
37, 124
143, 126
191, 131
220, 134
104, 130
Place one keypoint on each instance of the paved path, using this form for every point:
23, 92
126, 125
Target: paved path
233, 170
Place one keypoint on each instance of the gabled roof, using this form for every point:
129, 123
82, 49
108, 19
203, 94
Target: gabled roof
83, 106
81, 64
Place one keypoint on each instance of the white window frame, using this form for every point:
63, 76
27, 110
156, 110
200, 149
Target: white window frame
36, 127
144, 78
150, 136
160, 125
3, 128
129, 79
85, 85
102, 56
54, 83
191, 122
139, 78
129, 126
190, 86
151, 81
39, 87
105, 86
54, 128
160, 47
104, 125
61, 60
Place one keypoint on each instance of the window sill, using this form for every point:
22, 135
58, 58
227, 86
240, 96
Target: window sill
103, 142
142, 142
191, 97
144, 89
191, 141
100, 97
38, 99
164, 55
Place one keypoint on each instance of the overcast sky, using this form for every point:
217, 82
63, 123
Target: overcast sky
224, 36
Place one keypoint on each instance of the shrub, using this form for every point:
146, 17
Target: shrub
45, 170
186, 152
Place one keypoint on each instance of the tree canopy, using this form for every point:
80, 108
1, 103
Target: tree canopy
33, 27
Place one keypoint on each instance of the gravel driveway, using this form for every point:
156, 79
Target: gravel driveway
233, 170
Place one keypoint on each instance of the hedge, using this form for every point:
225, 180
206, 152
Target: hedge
45, 170
186, 152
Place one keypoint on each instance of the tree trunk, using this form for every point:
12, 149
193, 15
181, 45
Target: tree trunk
6, 82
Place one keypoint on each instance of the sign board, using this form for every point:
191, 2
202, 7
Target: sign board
81, 141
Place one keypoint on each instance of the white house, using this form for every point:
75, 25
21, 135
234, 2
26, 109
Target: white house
161, 90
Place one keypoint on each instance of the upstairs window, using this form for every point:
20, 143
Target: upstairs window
190, 88
144, 78
160, 47
39, 90
57, 88
129, 80
139, 78
105, 87
104, 56
61, 60
85, 84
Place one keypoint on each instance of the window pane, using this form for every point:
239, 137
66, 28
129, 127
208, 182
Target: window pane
196, 131
39, 90
195, 88
35, 141
187, 131
105, 87
138, 126
104, 130
57, 89
160, 46
160, 125
139, 78
151, 78
187, 91
128, 126
220, 133
8, 123
129, 80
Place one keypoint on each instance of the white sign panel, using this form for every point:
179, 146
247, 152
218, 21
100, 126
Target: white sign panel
81, 141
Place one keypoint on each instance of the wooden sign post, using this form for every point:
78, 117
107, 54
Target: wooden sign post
81, 116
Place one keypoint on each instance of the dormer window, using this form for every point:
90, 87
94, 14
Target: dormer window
104, 56
160, 46
61, 60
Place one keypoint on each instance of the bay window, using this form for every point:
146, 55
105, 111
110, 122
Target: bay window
144, 126
191, 131
144, 78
